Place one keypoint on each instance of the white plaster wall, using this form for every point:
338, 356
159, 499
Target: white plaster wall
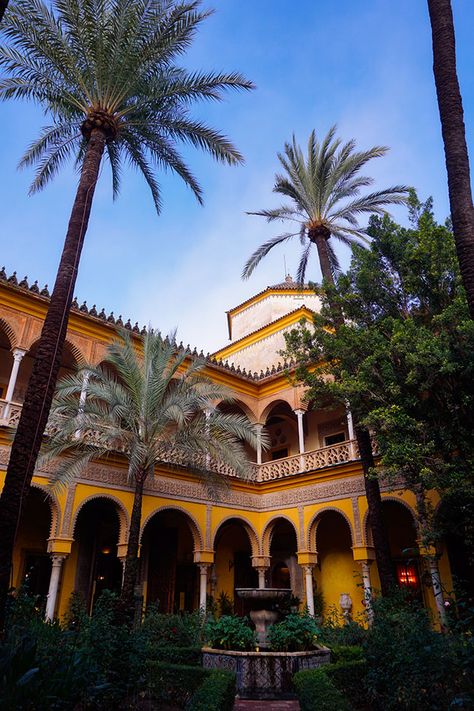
269, 309
261, 354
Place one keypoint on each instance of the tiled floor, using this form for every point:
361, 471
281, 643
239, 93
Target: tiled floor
244, 705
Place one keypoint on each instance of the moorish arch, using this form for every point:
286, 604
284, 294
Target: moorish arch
198, 538
386, 499
286, 401
122, 514
235, 544
238, 404
169, 538
269, 530
336, 573
311, 541
10, 332
246, 525
53, 502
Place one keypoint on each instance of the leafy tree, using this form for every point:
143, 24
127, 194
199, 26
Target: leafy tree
157, 409
404, 356
107, 73
325, 204
454, 138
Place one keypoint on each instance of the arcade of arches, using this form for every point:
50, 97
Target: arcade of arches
300, 522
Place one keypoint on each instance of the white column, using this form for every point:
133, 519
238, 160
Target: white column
18, 354
82, 398
207, 414
437, 588
203, 568
367, 587
259, 428
57, 561
261, 577
299, 414
350, 424
308, 574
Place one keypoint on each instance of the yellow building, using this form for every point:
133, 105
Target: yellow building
300, 522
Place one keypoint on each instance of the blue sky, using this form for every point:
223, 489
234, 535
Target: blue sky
364, 64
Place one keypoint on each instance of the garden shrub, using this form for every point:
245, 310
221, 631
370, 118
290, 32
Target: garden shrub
189, 656
349, 678
173, 683
411, 666
183, 630
296, 633
316, 692
346, 653
336, 631
216, 693
230, 632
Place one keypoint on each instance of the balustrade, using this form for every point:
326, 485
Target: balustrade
268, 471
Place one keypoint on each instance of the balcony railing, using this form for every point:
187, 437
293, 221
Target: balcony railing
268, 471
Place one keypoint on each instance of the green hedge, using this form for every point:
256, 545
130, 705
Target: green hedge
173, 683
189, 656
216, 693
342, 681
349, 679
346, 653
316, 692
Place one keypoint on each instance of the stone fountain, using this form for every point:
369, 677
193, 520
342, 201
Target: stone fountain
261, 599
264, 674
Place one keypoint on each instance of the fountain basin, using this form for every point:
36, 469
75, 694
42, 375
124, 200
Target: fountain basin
261, 599
265, 675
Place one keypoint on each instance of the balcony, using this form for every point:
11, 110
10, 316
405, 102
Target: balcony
268, 471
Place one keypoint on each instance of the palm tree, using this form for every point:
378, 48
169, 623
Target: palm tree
156, 408
325, 204
454, 138
106, 72
323, 189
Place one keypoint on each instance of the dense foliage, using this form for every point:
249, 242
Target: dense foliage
216, 693
230, 632
294, 634
316, 692
404, 356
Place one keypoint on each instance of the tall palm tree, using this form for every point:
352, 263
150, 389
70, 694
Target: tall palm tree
323, 188
325, 204
454, 138
106, 72
155, 407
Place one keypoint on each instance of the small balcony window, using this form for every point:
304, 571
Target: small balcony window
334, 438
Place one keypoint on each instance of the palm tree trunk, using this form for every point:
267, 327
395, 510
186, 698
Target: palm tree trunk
454, 138
376, 519
372, 488
130, 575
3, 7
39, 394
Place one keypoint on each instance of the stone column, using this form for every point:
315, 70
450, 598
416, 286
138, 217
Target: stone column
259, 428
82, 398
18, 354
308, 576
367, 587
432, 564
299, 414
203, 568
261, 563
57, 561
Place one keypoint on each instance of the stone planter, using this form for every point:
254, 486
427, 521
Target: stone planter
265, 675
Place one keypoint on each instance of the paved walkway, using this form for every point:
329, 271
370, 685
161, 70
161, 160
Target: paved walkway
244, 705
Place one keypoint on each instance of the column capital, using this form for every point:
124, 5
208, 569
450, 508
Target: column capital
204, 556
300, 410
57, 559
18, 353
